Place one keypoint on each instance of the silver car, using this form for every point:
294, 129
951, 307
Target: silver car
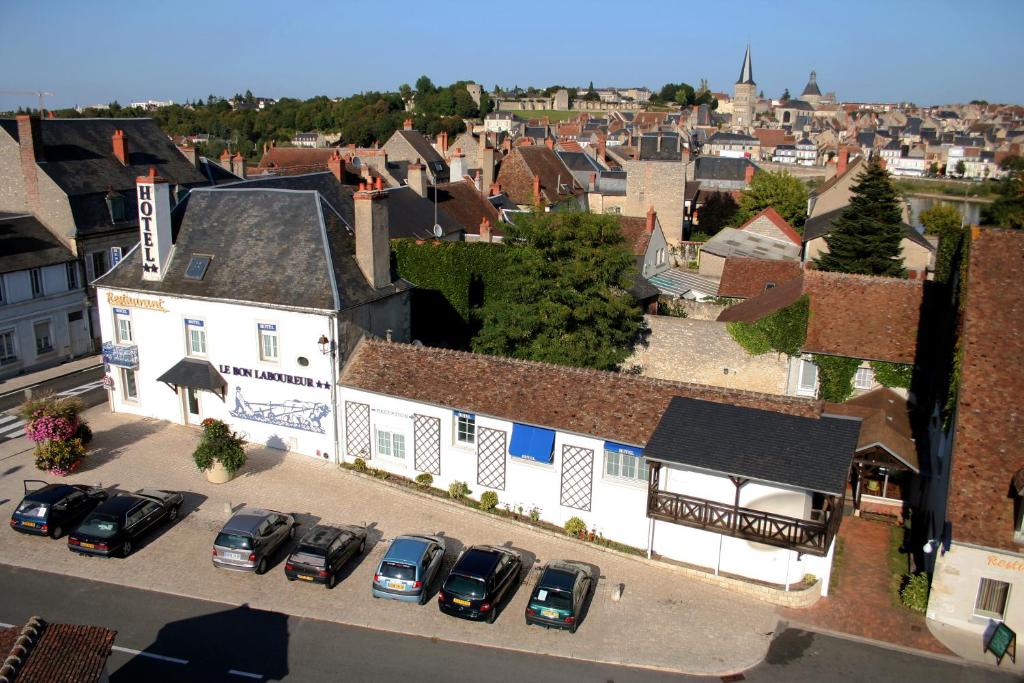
250, 538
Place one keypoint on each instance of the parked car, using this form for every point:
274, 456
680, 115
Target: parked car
250, 538
52, 509
408, 568
118, 523
559, 595
323, 551
481, 578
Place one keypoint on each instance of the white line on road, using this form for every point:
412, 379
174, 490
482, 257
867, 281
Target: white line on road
142, 653
236, 672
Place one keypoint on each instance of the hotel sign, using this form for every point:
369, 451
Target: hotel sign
121, 355
135, 302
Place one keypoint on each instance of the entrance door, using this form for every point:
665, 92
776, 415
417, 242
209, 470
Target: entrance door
78, 331
192, 415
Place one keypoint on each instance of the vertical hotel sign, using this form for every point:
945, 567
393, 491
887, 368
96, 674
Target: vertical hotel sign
154, 224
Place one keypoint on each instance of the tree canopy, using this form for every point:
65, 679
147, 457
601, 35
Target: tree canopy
1007, 210
866, 236
786, 193
684, 95
940, 219
567, 277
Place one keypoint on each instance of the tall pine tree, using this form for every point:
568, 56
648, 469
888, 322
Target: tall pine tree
866, 236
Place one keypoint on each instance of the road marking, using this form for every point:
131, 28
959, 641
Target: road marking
11, 426
142, 653
236, 672
83, 389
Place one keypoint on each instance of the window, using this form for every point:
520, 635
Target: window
465, 428
624, 465
72, 271
123, 326
992, 596
195, 337
864, 379
391, 444
268, 342
116, 206
808, 384
7, 352
659, 257
44, 340
96, 264
129, 390
37, 282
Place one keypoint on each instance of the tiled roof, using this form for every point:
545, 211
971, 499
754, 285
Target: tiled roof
773, 137
634, 230
771, 214
885, 423
989, 415
56, 653
747, 277
852, 167
859, 316
26, 243
296, 160
608, 405
519, 168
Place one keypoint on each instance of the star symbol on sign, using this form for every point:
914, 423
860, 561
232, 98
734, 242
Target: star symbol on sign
149, 268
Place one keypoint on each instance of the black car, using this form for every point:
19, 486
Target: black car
116, 525
481, 578
52, 509
323, 551
559, 595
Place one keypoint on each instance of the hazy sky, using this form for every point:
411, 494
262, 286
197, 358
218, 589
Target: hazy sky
91, 52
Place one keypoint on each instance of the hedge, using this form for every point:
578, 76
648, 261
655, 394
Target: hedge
783, 331
835, 376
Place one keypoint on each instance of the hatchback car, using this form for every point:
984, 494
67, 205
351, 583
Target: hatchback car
559, 595
481, 578
250, 538
323, 551
117, 524
408, 568
52, 509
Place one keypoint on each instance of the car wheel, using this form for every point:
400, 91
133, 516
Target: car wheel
261, 568
572, 629
56, 532
492, 615
362, 546
332, 581
126, 549
173, 514
291, 532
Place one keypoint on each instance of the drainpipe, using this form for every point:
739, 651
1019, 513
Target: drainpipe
650, 537
336, 457
789, 558
718, 562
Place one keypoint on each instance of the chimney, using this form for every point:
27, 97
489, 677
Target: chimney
495, 190
373, 244
593, 182
477, 183
444, 142
336, 165
225, 160
600, 151
30, 143
120, 146
550, 143
536, 190
485, 230
457, 165
154, 197
417, 178
748, 174
506, 144
652, 217
238, 165
407, 124
189, 153
844, 159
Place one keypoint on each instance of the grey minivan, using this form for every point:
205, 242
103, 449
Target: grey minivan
408, 568
249, 539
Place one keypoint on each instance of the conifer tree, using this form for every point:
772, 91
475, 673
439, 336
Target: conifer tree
866, 236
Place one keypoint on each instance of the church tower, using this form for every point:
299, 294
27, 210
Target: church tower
744, 96
812, 93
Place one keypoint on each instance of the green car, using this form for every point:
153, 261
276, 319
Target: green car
560, 594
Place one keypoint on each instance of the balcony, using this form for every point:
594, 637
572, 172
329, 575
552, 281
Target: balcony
811, 536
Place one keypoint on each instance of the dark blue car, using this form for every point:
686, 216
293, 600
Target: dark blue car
115, 526
52, 509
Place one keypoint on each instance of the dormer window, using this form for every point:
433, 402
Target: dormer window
117, 206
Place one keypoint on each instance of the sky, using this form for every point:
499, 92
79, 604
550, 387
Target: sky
932, 52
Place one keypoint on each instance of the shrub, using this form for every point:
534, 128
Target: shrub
458, 490
359, 465
535, 514
219, 444
835, 377
915, 592
892, 374
783, 331
60, 457
575, 526
488, 500
60, 435
425, 480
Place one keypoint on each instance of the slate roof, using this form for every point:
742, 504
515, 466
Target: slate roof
279, 234
747, 70
660, 147
725, 138
606, 405
460, 208
732, 242
807, 453
579, 161
26, 243
56, 653
821, 225
743, 278
989, 419
419, 142
337, 195
721, 168
859, 316
812, 86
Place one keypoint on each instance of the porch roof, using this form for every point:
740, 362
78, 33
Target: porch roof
195, 373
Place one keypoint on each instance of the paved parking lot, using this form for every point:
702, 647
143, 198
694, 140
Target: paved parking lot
663, 620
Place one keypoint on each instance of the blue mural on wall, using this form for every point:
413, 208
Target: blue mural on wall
305, 415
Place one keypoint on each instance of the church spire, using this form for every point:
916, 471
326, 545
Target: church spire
747, 72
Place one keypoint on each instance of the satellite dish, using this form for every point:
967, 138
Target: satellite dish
438, 231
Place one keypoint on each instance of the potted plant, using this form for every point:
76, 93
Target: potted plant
60, 434
220, 453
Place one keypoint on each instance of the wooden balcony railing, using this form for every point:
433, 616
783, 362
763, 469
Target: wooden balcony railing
812, 536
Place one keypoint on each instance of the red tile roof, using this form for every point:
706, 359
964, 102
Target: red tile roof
609, 405
773, 137
989, 441
744, 278
634, 231
295, 160
858, 316
779, 222
56, 653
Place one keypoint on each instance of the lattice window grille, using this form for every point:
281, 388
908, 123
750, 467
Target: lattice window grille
490, 458
577, 477
427, 444
357, 430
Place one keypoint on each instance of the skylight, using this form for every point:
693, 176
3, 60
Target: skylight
197, 267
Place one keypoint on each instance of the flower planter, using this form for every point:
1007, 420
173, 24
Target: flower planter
218, 474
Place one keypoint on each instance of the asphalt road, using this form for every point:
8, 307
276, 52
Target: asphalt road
64, 383
167, 638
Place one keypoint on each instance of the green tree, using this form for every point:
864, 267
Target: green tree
567, 276
785, 193
684, 95
1007, 210
933, 168
719, 210
591, 95
785, 95
961, 168
424, 85
866, 236
940, 219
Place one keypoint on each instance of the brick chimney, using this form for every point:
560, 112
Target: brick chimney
486, 163
457, 165
238, 165
154, 197
407, 124
485, 230
844, 160
373, 244
748, 174
120, 146
417, 178
225, 160
444, 142
652, 218
506, 144
536, 190
593, 183
601, 151
30, 144
190, 154
336, 165
495, 190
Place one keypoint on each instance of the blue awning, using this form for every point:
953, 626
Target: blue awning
532, 443
623, 449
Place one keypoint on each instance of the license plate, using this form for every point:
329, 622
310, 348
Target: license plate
89, 545
396, 586
235, 556
549, 613
305, 578
460, 601
28, 523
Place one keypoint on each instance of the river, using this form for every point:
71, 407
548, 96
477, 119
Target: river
969, 208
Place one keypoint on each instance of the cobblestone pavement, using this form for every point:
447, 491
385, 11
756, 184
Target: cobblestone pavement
663, 620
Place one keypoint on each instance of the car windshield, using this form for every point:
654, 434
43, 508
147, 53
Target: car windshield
30, 508
465, 585
555, 599
396, 570
237, 541
99, 525
308, 554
